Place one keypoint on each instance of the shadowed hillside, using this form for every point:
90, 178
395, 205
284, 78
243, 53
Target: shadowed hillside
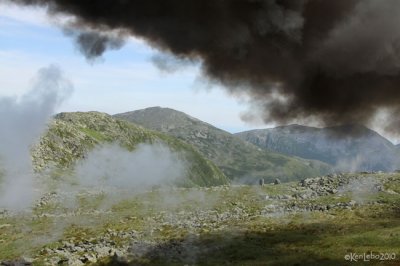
238, 159
349, 148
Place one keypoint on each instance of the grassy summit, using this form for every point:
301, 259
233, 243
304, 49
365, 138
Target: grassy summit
72, 135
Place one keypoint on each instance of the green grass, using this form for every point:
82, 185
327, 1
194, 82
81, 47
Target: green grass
304, 238
320, 240
94, 134
71, 136
236, 158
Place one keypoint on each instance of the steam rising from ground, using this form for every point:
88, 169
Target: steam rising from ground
110, 174
23, 120
361, 189
113, 166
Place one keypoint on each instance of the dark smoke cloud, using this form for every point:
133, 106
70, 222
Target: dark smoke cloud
169, 63
334, 61
93, 44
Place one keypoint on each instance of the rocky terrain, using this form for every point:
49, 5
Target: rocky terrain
316, 221
72, 135
202, 220
347, 148
239, 160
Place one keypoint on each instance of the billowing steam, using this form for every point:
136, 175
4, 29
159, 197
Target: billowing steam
118, 174
111, 166
22, 120
309, 60
361, 189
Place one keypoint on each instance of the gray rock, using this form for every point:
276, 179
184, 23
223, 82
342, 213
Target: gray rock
18, 262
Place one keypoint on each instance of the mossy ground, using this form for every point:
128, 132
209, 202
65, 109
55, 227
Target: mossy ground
192, 216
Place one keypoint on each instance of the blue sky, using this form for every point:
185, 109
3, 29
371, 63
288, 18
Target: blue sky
123, 80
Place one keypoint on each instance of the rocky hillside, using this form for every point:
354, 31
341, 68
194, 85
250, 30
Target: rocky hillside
350, 148
239, 160
72, 135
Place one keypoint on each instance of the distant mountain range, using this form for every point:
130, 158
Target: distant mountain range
347, 148
215, 156
238, 159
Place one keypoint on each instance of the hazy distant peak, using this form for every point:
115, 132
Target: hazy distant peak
349, 147
340, 131
160, 117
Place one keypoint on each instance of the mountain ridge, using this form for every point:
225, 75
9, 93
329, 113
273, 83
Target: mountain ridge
361, 148
70, 136
238, 159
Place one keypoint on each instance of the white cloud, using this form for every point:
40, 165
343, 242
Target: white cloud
26, 15
120, 87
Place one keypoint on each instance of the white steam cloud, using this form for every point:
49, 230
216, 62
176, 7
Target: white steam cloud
361, 189
23, 119
113, 166
352, 165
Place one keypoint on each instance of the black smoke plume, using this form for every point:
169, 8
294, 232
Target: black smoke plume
93, 44
333, 61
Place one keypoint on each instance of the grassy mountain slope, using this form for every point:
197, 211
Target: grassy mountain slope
72, 135
236, 158
351, 147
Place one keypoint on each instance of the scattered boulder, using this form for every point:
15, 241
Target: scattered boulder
17, 262
277, 181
